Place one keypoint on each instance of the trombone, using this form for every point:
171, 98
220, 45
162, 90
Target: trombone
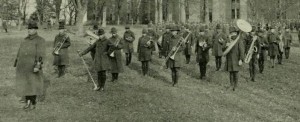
59, 46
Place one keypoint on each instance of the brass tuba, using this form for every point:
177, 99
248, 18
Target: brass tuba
243, 26
251, 50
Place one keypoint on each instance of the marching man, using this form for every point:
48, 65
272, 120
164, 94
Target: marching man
175, 63
202, 51
128, 44
29, 71
144, 50
234, 58
273, 40
115, 55
263, 51
287, 40
61, 44
255, 55
101, 62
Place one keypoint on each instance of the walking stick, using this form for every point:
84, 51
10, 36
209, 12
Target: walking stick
87, 69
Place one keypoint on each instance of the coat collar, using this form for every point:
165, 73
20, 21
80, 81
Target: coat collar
31, 37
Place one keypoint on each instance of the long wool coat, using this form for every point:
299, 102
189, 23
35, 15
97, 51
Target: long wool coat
116, 62
287, 40
166, 37
234, 56
101, 60
128, 43
63, 57
29, 83
189, 44
273, 40
264, 46
217, 46
144, 50
179, 56
202, 53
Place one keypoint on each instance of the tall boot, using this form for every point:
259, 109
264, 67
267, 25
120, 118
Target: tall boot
217, 63
235, 80
287, 53
130, 57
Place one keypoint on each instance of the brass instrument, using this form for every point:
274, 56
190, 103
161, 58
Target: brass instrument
92, 35
178, 46
59, 46
281, 43
243, 26
116, 44
251, 50
203, 44
172, 53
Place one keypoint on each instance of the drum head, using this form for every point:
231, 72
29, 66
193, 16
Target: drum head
244, 25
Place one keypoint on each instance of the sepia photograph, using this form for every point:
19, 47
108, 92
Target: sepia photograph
150, 60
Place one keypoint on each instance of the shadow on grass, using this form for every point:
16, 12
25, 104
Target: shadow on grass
152, 73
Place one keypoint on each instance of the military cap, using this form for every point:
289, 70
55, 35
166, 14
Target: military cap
127, 27
95, 27
101, 31
175, 28
144, 31
202, 29
218, 26
61, 24
32, 25
113, 30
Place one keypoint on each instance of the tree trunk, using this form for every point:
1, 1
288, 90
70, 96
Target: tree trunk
156, 12
182, 11
104, 16
160, 13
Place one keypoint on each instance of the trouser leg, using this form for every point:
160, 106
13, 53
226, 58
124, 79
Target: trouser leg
279, 58
175, 75
188, 58
287, 53
61, 70
101, 78
217, 62
32, 99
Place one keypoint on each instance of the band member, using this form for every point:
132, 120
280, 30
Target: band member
101, 62
29, 62
188, 45
93, 51
280, 46
218, 43
234, 58
175, 63
144, 49
287, 40
159, 42
165, 41
4, 25
152, 34
115, 55
202, 52
256, 49
273, 40
128, 44
263, 52
62, 42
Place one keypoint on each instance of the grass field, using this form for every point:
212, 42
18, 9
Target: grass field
275, 97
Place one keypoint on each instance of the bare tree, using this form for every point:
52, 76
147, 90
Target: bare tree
81, 9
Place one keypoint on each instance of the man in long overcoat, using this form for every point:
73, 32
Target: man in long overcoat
115, 56
263, 52
202, 47
29, 71
165, 41
218, 44
61, 41
287, 40
177, 62
273, 40
144, 51
188, 45
101, 61
255, 55
234, 58
128, 37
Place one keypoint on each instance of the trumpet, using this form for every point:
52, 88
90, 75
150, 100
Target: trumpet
59, 46
112, 54
251, 50
149, 42
203, 45
182, 40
